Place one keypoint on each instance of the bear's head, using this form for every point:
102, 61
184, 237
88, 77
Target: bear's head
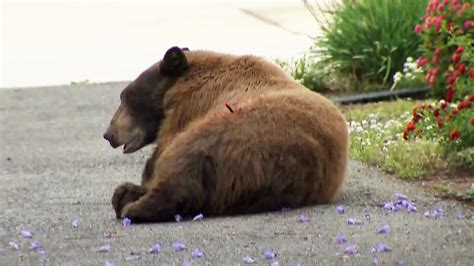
137, 119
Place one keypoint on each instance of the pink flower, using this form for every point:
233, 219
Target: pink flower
468, 24
418, 29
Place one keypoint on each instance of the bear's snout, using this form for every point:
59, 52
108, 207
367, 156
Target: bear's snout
110, 138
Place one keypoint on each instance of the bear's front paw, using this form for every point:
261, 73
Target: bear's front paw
124, 194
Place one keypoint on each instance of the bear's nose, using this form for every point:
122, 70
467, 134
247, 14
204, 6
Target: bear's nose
108, 136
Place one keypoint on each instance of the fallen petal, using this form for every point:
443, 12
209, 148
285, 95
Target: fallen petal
41, 251
26, 234
126, 222
76, 223
411, 208
109, 263
274, 263
350, 250
105, 248
437, 213
198, 217
380, 247
303, 218
426, 213
155, 249
248, 260
186, 263
14, 245
340, 209
383, 229
340, 239
460, 216
179, 246
34, 246
400, 196
178, 218
375, 261
388, 206
132, 256
268, 254
353, 221
197, 253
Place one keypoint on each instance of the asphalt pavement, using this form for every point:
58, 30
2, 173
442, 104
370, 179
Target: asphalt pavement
55, 168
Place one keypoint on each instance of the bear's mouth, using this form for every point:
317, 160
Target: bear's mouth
131, 146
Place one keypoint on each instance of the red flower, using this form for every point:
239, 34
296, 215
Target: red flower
461, 68
450, 25
456, 58
460, 50
471, 72
472, 121
449, 95
439, 122
438, 51
418, 29
444, 105
471, 98
421, 61
454, 111
468, 24
436, 112
454, 134
463, 105
405, 134
411, 126
452, 80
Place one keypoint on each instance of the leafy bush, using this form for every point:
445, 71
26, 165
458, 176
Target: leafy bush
369, 38
448, 57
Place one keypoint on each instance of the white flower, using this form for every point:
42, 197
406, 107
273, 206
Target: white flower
410, 59
397, 77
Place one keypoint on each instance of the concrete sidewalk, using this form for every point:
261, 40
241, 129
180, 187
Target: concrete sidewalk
55, 168
50, 43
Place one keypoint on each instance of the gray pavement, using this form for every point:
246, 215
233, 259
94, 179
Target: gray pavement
55, 167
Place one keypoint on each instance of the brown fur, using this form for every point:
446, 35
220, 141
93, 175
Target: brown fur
282, 146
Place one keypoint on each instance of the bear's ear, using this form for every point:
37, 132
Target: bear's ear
174, 62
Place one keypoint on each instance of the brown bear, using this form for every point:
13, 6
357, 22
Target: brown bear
233, 135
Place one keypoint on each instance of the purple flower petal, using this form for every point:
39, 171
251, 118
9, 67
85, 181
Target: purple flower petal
126, 222
41, 251
132, 256
400, 263
274, 263
268, 254
340, 209
155, 249
400, 197
14, 245
350, 250
198, 217
26, 234
353, 221
375, 261
105, 248
186, 263
303, 218
197, 253
34, 246
109, 263
380, 247
178, 218
179, 246
426, 213
340, 239
76, 223
248, 260
384, 229
436, 213
397, 207
411, 207
388, 206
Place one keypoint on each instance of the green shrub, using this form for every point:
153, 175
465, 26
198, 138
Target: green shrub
370, 39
